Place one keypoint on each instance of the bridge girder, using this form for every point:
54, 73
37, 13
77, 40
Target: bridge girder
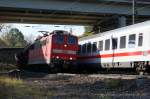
81, 12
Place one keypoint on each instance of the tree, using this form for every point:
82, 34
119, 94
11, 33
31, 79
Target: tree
1, 27
4, 27
14, 38
88, 31
2, 44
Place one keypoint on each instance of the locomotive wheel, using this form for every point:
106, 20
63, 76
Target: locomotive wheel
65, 67
55, 68
20, 68
52, 65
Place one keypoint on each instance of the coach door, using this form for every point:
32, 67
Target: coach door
114, 47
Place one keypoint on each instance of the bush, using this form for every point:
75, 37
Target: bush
12, 87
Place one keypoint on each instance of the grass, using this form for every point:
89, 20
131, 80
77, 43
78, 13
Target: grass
113, 83
12, 87
7, 67
6, 81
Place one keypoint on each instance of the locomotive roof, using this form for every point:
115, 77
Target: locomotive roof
59, 32
53, 33
126, 28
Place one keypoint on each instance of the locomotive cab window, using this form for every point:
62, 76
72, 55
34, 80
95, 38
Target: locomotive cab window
114, 43
107, 44
94, 47
131, 42
72, 40
59, 39
140, 39
100, 45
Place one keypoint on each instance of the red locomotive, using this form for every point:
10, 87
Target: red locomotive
56, 51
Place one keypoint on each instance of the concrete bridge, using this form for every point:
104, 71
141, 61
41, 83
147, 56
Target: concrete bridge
80, 12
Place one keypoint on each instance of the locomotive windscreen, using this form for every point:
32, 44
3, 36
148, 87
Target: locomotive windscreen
59, 39
72, 40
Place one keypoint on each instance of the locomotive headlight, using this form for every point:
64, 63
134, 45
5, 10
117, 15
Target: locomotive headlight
65, 45
57, 57
70, 58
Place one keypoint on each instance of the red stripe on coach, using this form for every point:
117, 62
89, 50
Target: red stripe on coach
113, 55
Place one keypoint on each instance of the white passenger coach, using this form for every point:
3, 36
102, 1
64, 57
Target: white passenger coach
127, 47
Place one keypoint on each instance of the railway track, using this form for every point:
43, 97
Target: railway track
93, 82
70, 73
38, 76
68, 82
47, 76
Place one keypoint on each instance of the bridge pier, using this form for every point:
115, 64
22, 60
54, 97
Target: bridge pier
122, 21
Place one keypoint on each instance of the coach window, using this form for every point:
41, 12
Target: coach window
84, 48
100, 45
81, 48
122, 42
94, 47
131, 42
114, 43
140, 39
107, 44
89, 47
79, 51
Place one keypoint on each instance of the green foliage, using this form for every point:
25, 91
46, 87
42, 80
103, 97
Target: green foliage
1, 27
6, 67
4, 28
16, 88
113, 83
10, 81
88, 31
2, 43
14, 38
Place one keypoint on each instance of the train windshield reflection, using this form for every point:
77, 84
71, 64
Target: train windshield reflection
59, 39
72, 40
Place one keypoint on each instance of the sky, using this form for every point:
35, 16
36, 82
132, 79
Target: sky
32, 30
